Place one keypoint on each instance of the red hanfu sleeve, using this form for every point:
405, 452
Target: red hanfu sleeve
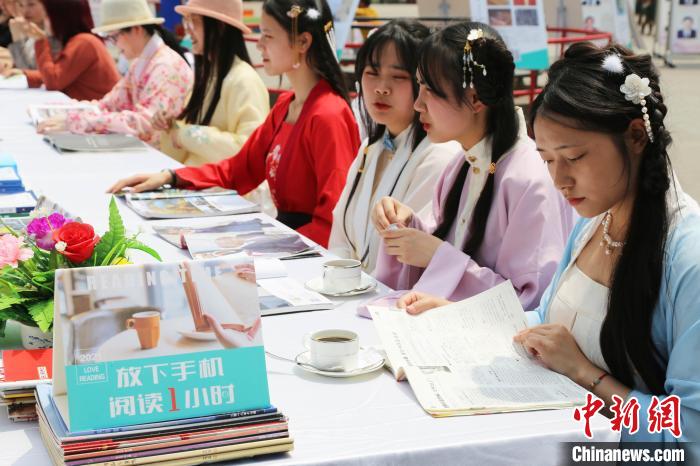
333, 146
245, 170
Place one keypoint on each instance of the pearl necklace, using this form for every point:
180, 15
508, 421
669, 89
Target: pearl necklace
607, 242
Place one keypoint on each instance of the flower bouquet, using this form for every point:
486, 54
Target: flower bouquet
29, 259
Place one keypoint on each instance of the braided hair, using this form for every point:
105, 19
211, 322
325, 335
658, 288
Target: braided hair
583, 94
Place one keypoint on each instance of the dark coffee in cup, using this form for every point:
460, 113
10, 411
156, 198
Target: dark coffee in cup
333, 339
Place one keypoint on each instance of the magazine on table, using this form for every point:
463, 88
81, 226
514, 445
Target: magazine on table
253, 237
199, 204
25, 368
460, 359
286, 295
40, 113
169, 193
17, 204
68, 143
174, 233
182, 332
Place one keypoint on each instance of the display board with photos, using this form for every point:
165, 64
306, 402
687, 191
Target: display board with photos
685, 27
607, 16
178, 340
521, 23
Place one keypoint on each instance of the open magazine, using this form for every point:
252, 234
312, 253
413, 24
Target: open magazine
187, 204
286, 295
39, 113
460, 359
68, 143
174, 233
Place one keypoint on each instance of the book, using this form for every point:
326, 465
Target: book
199, 205
157, 358
170, 193
285, 296
26, 366
17, 204
460, 359
40, 113
66, 142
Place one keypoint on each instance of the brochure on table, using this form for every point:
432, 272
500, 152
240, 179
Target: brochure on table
685, 24
137, 346
521, 23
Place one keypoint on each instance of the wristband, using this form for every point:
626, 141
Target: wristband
597, 381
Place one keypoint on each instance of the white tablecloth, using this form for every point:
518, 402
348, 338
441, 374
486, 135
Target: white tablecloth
371, 419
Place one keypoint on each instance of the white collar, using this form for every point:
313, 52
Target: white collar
152, 46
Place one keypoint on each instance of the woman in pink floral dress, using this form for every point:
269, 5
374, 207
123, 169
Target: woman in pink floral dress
159, 79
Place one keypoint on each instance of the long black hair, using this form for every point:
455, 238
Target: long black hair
320, 57
213, 65
441, 67
581, 94
406, 37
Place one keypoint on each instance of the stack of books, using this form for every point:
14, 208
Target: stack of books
20, 373
198, 440
176, 376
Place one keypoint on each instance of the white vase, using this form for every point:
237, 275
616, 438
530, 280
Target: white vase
33, 338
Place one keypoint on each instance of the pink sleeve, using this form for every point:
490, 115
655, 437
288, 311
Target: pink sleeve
528, 260
164, 89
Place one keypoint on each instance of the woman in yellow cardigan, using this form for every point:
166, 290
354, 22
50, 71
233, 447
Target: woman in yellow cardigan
229, 99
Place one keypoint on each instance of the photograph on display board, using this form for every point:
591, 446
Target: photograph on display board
687, 2
590, 2
500, 17
684, 30
688, 29
526, 17
498, 2
525, 2
589, 23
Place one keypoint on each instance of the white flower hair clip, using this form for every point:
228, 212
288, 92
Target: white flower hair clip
468, 58
636, 89
313, 14
613, 64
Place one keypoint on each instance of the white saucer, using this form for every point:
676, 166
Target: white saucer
195, 335
368, 361
367, 284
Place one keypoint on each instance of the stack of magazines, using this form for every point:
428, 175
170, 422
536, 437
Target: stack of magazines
199, 440
20, 372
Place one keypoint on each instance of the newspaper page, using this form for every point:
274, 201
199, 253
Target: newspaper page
461, 359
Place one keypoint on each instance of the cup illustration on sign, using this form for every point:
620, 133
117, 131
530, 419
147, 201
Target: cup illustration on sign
147, 326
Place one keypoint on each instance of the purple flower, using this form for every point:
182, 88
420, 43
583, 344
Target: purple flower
41, 229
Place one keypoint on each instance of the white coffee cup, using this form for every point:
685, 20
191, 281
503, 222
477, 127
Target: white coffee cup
342, 275
333, 349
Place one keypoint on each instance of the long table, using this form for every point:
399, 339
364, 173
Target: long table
370, 419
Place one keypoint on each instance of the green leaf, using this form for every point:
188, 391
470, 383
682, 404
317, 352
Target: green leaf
112, 237
42, 313
134, 244
6, 302
3, 323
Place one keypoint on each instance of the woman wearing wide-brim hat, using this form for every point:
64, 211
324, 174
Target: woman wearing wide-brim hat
229, 99
159, 77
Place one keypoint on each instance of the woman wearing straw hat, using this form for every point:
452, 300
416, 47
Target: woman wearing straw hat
229, 99
158, 79
307, 143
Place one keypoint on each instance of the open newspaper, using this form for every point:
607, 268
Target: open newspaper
460, 359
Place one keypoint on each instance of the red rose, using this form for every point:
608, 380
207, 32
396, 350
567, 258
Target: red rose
76, 241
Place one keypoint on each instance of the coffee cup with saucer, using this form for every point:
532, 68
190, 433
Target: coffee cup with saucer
337, 353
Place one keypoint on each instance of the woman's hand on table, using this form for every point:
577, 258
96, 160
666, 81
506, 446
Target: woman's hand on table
416, 302
142, 182
54, 124
388, 211
410, 246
